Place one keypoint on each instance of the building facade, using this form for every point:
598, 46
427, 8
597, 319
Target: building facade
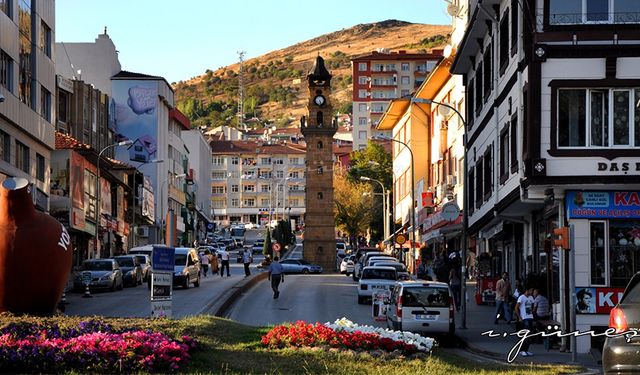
200, 174
256, 181
380, 77
27, 87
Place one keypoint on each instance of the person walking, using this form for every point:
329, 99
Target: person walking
247, 259
224, 258
503, 291
524, 314
204, 262
276, 276
455, 282
213, 262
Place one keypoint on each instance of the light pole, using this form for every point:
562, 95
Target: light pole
385, 206
443, 109
413, 197
128, 142
135, 198
181, 175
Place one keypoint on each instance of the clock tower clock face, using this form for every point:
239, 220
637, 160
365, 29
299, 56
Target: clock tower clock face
319, 100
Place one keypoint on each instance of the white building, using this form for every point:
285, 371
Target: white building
200, 171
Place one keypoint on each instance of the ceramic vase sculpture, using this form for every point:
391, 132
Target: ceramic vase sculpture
35, 253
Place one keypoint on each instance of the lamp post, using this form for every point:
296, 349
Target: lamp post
135, 198
385, 206
181, 175
443, 109
128, 142
413, 196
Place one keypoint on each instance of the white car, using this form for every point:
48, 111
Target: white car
375, 279
347, 265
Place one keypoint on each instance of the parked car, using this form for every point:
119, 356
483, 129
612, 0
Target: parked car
105, 274
186, 268
381, 258
363, 256
375, 279
299, 266
401, 269
421, 307
619, 355
347, 265
145, 264
131, 269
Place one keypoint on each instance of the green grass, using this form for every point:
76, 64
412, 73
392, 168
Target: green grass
233, 348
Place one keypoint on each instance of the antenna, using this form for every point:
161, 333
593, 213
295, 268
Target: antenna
241, 123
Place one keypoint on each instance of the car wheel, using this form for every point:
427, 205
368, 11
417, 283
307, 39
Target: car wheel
197, 282
305, 271
348, 274
361, 300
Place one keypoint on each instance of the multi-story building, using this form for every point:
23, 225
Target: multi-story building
380, 77
254, 181
200, 174
27, 81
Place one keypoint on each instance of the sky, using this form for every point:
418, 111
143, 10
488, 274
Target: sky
179, 40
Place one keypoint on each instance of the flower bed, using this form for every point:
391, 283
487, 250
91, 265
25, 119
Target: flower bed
91, 346
345, 334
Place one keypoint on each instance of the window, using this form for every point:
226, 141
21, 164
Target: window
362, 93
217, 160
362, 67
248, 161
295, 202
514, 144
404, 93
22, 157
279, 174
479, 186
5, 6
362, 107
566, 12
235, 188
514, 26
265, 188
598, 262
504, 41
217, 175
294, 161
45, 104
488, 172
470, 190
470, 98
45, 39
320, 196
40, 167
6, 69
5, 147
217, 190
431, 65
404, 67
218, 203
265, 161
24, 77
294, 174
624, 251
249, 202
362, 134
488, 70
362, 121
249, 188
63, 106
404, 80
478, 96
320, 170
235, 202
235, 160
264, 202
602, 118
89, 182
504, 154
362, 80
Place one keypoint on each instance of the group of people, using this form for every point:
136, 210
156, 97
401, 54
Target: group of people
530, 307
207, 259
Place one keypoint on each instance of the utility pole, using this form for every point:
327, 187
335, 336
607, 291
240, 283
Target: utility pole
241, 124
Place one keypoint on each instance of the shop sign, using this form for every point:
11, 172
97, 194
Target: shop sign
78, 221
594, 300
603, 204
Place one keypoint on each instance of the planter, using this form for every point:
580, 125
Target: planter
35, 253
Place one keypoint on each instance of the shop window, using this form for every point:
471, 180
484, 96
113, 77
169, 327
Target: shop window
488, 71
504, 154
598, 261
479, 186
504, 41
624, 251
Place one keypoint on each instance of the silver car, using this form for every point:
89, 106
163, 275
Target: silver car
105, 274
347, 265
421, 307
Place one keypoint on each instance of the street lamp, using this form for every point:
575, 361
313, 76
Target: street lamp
162, 215
135, 198
385, 206
128, 142
413, 195
444, 109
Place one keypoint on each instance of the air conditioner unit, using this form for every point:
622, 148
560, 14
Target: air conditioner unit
451, 180
143, 231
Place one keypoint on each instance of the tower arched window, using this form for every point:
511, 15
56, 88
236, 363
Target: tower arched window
319, 144
319, 118
320, 170
320, 195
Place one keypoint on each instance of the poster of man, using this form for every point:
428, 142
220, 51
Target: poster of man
585, 303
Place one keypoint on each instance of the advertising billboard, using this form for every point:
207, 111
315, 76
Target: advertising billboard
603, 204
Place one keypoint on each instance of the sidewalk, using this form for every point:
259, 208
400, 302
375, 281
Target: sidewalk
480, 319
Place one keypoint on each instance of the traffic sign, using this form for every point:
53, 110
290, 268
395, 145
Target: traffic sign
450, 211
161, 308
276, 246
400, 239
162, 258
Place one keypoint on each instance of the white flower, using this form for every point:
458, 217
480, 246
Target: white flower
424, 344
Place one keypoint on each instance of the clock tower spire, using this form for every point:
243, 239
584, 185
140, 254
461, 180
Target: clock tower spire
318, 128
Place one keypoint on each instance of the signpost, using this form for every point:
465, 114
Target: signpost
163, 260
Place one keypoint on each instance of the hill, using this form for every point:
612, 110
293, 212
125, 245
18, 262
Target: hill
274, 87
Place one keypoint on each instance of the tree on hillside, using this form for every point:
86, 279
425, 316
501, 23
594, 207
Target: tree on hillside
352, 213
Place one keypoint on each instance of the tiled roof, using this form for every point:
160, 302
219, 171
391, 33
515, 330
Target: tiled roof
67, 142
253, 147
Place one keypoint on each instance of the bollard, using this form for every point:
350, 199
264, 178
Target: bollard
87, 293
63, 300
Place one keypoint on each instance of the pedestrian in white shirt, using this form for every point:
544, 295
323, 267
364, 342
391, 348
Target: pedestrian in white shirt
224, 258
204, 261
524, 314
247, 259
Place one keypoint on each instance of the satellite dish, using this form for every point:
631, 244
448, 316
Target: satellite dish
452, 10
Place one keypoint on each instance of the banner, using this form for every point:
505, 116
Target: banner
595, 300
603, 204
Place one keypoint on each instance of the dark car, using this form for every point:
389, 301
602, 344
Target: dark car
299, 266
620, 356
105, 274
145, 264
131, 269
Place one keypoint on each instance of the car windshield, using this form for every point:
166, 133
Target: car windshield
180, 259
425, 297
399, 267
97, 266
379, 274
141, 259
125, 262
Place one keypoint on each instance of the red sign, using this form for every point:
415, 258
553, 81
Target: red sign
597, 300
427, 199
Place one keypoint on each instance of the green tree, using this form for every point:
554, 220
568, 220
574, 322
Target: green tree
352, 213
266, 250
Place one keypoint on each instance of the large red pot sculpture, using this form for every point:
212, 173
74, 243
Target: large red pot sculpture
35, 253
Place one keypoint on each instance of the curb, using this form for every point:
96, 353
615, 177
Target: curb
220, 305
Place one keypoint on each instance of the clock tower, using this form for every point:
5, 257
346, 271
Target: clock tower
318, 128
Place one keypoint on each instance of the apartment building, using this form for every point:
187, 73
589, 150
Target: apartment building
200, 175
380, 77
256, 181
27, 84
